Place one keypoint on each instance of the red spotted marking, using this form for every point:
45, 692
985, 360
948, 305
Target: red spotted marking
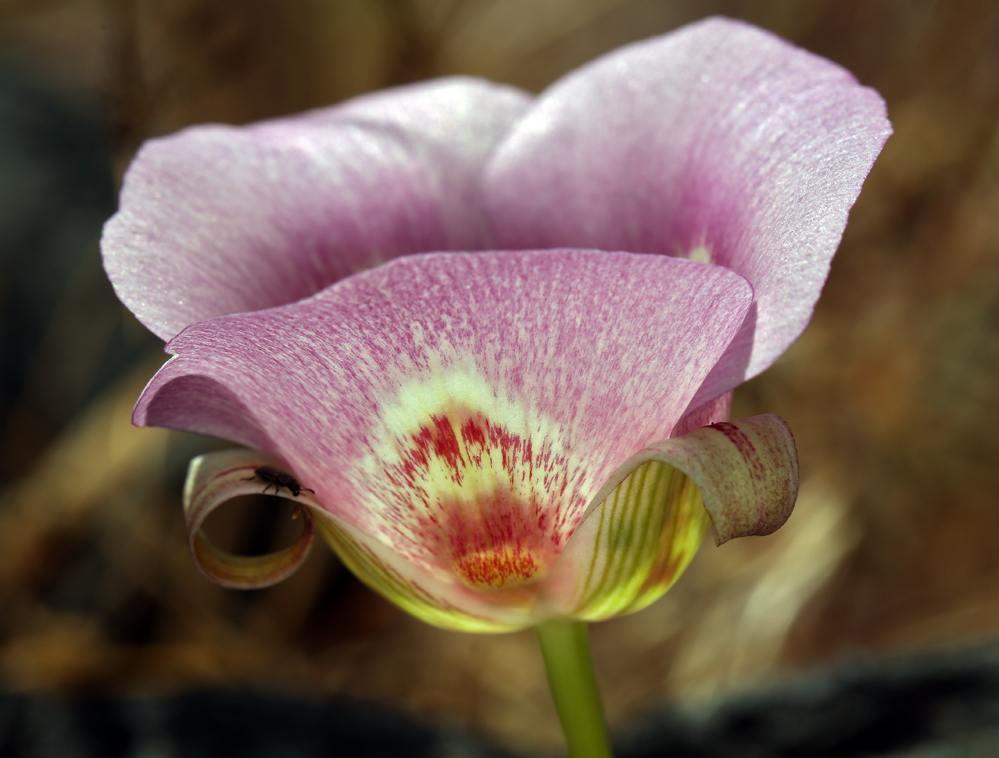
519, 512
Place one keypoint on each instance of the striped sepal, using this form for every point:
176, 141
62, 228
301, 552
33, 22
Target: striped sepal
740, 476
631, 548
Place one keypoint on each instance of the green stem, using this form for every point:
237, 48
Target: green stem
565, 647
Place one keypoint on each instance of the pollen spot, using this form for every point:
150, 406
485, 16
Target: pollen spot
498, 569
701, 254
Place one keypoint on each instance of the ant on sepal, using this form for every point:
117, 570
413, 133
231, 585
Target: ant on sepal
278, 479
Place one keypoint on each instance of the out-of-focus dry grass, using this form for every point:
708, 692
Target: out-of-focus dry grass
891, 392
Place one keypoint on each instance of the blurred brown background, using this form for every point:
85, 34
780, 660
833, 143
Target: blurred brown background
892, 392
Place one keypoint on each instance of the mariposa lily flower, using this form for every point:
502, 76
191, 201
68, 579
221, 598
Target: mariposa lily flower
497, 335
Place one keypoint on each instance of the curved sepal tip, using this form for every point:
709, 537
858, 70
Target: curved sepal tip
215, 478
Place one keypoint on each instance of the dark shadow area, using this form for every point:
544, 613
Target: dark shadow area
212, 724
946, 704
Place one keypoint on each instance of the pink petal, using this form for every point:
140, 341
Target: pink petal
719, 142
516, 381
217, 219
452, 124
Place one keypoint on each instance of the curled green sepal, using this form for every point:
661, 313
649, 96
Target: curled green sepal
747, 472
213, 479
651, 516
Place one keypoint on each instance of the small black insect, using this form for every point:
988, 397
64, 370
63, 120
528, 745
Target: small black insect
276, 478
